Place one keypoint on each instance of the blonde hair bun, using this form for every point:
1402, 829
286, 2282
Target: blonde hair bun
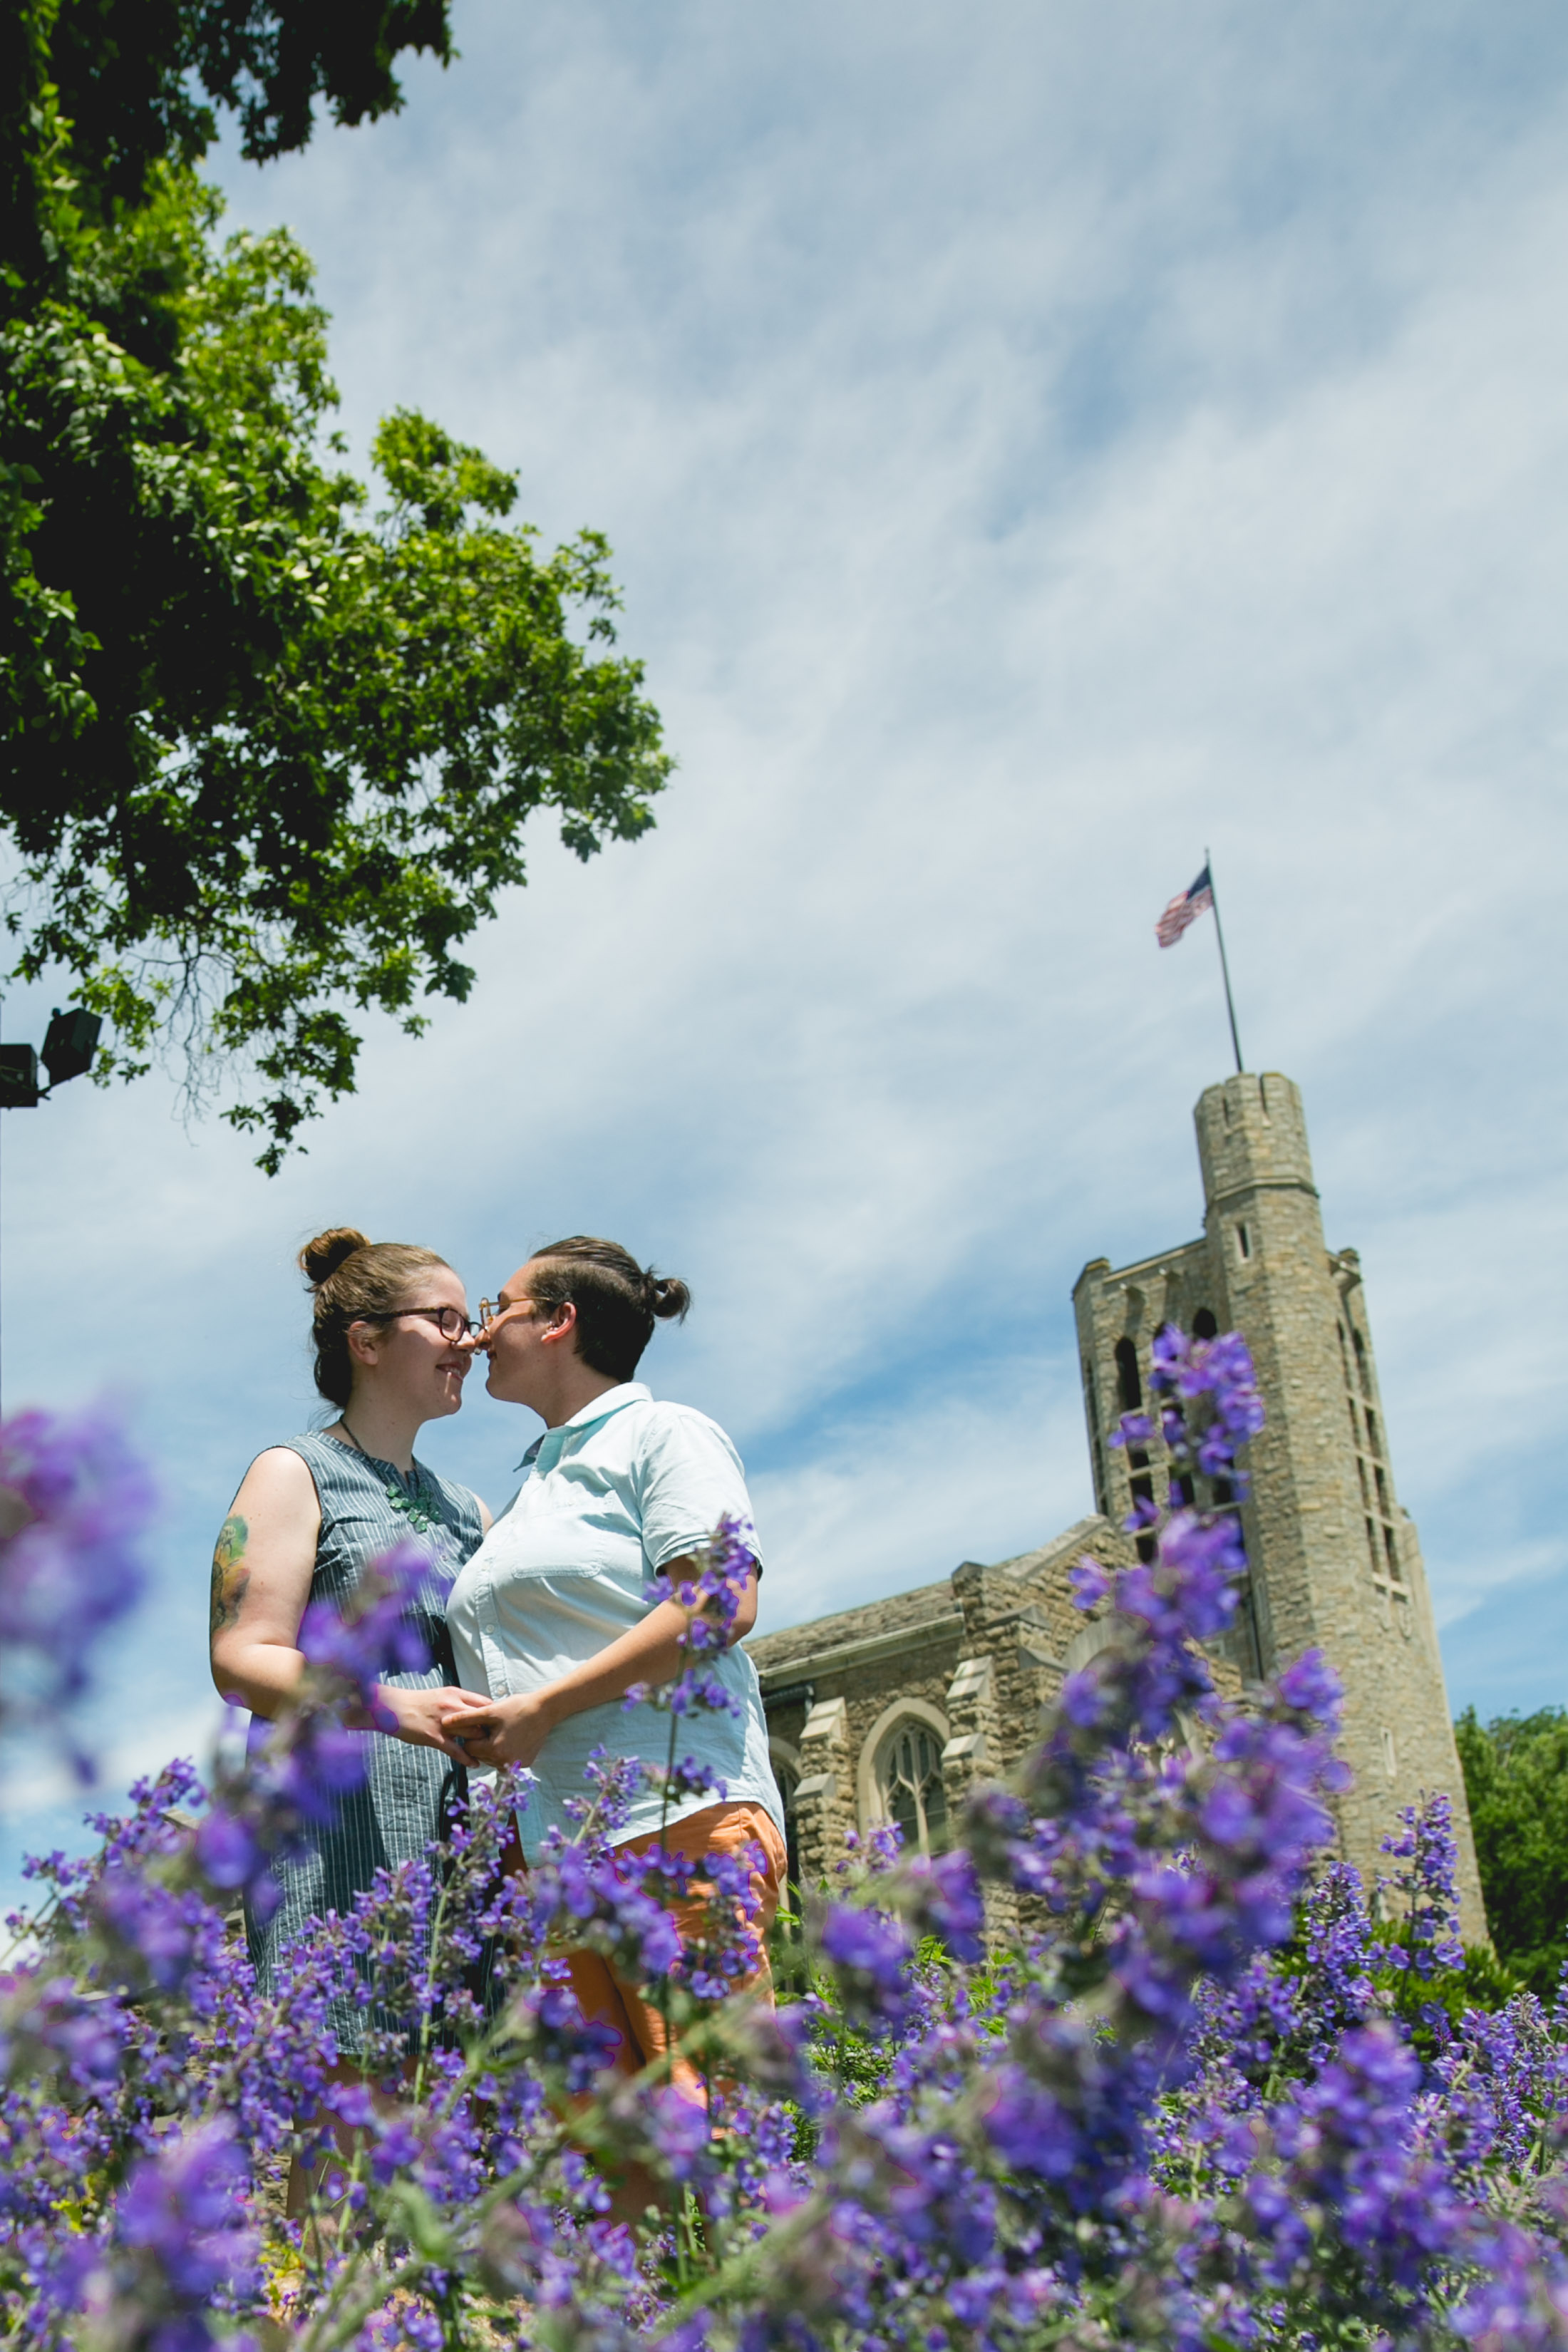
319, 1259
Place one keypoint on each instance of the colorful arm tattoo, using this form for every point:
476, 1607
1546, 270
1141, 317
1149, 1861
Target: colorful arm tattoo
230, 1575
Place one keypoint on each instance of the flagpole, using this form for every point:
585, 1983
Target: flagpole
1224, 965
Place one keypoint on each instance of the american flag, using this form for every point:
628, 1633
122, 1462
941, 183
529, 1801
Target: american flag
1184, 909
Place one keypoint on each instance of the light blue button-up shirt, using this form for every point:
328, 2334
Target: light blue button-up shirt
611, 1498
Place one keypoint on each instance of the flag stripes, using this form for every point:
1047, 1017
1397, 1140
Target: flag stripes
1184, 909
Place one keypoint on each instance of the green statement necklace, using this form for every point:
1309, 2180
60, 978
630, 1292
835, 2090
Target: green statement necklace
413, 1508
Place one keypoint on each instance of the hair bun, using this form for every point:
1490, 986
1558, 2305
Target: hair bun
319, 1259
668, 1296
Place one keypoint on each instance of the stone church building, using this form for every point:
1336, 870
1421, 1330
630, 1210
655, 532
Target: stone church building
887, 1712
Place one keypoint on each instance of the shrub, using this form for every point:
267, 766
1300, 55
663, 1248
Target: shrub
1516, 1779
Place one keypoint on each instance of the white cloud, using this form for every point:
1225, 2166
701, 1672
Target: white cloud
42, 1786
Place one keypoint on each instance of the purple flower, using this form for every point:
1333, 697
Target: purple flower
372, 1637
1311, 1687
711, 1597
75, 1505
1522, 2305
947, 1902
872, 1956
229, 1850
1426, 1895
181, 2214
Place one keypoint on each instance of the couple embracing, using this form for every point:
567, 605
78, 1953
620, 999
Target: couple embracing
537, 1623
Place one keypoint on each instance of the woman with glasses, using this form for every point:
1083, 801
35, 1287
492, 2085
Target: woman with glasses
388, 1322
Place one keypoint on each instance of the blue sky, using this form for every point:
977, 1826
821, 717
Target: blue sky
1037, 441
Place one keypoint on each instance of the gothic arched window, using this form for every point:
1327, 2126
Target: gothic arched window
908, 1782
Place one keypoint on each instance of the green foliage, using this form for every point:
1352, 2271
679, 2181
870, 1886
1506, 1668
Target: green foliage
1484, 1982
134, 79
1516, 1779
265, 753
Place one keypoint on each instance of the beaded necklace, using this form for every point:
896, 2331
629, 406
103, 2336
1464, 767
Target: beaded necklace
413, 1507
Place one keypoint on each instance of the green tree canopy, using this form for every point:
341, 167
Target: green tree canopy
1516, 1779
267, 740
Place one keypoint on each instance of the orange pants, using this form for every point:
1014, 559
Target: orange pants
607, 1998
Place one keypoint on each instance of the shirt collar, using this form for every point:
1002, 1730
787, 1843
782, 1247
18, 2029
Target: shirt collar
597, 1408
600, 1408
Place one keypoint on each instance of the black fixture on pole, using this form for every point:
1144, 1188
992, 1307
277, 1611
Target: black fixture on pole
70, 1042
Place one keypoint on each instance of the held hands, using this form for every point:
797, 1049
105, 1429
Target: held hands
498, 1730
419, 1716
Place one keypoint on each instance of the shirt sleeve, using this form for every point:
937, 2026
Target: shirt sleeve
690, 1478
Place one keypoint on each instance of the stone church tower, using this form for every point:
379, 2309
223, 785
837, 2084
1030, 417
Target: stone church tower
1335, 1562
888, 1711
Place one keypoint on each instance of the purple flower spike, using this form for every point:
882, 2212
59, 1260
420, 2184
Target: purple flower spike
74, 1506
872, 1956
179, 2214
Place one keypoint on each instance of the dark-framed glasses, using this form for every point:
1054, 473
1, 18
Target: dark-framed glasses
450, 1321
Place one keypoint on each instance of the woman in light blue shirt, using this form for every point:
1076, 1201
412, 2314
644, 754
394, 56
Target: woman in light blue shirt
549, 1616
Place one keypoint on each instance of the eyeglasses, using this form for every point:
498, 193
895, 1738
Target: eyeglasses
450, 1321
492, 1309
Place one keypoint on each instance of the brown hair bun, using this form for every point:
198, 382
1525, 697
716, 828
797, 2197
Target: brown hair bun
667, 1295
319, 1259
616, 1299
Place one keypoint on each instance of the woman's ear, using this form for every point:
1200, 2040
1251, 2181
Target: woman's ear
361, 1340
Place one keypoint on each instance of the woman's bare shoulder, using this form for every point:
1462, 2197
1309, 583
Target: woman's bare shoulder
280, 1478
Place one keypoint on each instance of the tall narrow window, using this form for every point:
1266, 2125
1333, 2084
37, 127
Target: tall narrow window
1132, 1391
1127, 1380
1143, 1492
1203, 1324
1096, 1446
1243, 1242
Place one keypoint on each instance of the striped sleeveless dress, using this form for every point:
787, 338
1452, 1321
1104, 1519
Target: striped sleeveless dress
367, 1508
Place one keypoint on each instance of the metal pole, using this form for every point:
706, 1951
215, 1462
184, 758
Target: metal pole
1224, 965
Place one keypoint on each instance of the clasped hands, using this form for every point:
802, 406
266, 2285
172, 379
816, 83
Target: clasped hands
500, 1731
470, 1729
512, 1730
